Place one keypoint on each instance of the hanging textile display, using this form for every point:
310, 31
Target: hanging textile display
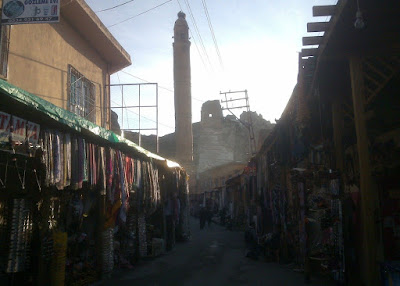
102, 171
20, 237
67, 159
73, 184
185, 206
108, 250
142, 235
59, 258
4, 235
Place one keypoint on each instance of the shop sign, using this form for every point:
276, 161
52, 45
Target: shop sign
18, 132
32, 132
4, 126
30, 11
21, 130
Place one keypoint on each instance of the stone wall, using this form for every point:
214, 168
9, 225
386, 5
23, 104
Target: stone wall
217, 140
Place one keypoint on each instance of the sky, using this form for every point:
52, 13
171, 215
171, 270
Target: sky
258, 43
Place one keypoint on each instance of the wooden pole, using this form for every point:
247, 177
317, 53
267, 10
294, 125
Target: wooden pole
369, 196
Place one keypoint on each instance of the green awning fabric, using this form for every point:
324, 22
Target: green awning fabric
70, 119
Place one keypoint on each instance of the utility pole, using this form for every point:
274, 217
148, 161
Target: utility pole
245, 104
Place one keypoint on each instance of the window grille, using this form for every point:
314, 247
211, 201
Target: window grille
82, 100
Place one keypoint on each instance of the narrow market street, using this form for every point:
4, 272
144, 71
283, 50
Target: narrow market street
214, 256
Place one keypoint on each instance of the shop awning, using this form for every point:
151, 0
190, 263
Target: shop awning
70, 119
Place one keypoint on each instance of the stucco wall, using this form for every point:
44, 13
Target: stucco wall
39, 56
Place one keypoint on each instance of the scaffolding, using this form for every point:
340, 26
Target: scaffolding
124, 109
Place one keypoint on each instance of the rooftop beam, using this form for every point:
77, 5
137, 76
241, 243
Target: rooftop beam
308, 52
310, 41
317, 27
327, 10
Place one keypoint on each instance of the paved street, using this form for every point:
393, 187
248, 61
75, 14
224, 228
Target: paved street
214, 256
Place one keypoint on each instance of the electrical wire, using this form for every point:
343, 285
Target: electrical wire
212, 31
198, 51
143, 116
107, 9
165, 88
179, 5
123, 103
142, 79
139, 14
194, 41
198, 32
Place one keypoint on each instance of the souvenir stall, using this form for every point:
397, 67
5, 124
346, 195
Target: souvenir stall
318, 238
76, 200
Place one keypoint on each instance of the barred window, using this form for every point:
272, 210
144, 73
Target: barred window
4, 45
82, 100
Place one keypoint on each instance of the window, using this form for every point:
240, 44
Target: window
82, 100
4, 45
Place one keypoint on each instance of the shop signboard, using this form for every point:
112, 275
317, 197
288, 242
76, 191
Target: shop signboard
18, 131
4, 126
30, 11
32, 132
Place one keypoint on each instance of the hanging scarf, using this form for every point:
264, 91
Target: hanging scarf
67, 159
75, 160
102, 169
109, 173
81, 162
57, 159
85, 162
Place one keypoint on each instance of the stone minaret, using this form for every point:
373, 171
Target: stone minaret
183, 96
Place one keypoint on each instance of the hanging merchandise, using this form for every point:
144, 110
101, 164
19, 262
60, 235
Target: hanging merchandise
142, 235
20, 237
334, 187
108, 250
102, 170
47, 248
74, 163
124, 191
67, 159
59, 259
4, 235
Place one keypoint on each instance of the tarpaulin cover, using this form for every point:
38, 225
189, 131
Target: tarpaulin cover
70, 119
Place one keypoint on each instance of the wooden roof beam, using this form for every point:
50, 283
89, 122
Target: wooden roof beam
327, 10
308, 52
317, 27
310, 41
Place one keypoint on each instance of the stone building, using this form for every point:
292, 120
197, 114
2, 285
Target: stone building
217, 140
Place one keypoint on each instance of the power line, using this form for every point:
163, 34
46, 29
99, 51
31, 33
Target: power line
197, 31
143, 116
123, 103
179, 5
194, 41
167, 89
140, 14
197, 48
115, 6
212, 31
142, 79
